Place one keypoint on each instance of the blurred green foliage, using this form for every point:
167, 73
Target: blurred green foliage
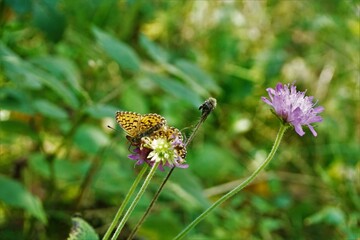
67, 66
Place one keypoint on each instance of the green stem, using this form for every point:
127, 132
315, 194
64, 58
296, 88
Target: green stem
124, 203
156, 196
135, 201
279, 136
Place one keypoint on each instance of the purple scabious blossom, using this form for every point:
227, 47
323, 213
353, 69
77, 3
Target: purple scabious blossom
165, 146
293, 107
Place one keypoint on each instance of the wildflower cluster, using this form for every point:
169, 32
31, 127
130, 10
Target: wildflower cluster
165, 146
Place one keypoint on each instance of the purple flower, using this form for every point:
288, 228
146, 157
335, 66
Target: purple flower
294, 107
140, 155
165, 146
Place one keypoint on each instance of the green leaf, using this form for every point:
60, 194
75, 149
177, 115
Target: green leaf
331, 215
49, 109
16, 128
197, 75
123, 54
62, 68
134, 98
101, 110
65, 170
71, 171
28, 76
271, 224
19, 6
14, 194
17, 100
49, 19
39, 165
188, 189
198, 80
111, 174
177, 89
81, 230
90, 139
239, 88
58, 87
262, 205
213, 160
155, 51
17, 70
194, 85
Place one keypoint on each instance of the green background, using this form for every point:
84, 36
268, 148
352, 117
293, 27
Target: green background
67, 66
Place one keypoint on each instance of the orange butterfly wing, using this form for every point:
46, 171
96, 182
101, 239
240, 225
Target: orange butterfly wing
137, 126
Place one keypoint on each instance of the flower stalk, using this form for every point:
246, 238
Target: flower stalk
136, 200
246, 182
124, 203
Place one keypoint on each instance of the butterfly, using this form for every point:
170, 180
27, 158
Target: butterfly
137, 125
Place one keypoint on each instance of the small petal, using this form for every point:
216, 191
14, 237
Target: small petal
266, 100
312, 130
299, 130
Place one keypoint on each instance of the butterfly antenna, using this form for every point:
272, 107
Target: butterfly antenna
112, 128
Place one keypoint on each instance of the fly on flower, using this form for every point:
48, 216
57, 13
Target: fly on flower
165, 146
293, 107
137, 126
